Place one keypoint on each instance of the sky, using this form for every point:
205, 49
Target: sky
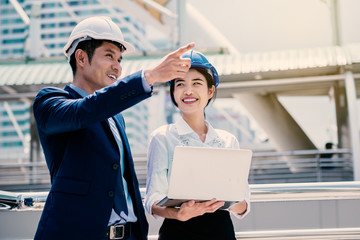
263, 25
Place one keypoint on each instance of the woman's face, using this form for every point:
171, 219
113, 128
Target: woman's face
192, 93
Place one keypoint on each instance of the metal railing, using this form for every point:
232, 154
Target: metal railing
18, 173
259, 193
310, 234
301, 166
11, 201
313, 234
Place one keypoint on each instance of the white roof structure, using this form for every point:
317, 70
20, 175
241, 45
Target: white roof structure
246, 71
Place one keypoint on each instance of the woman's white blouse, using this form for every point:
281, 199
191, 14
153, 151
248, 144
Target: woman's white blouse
160, 155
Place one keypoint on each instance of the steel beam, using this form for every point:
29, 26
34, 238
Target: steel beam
353, 121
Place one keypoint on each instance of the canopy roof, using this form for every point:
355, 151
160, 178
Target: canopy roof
23, 78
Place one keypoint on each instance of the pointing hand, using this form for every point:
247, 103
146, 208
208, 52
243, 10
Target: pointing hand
172, 66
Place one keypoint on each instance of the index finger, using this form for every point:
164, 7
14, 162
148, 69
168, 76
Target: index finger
180, 51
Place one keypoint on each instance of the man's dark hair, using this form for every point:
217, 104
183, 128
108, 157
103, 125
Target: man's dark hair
209, 80
87, 46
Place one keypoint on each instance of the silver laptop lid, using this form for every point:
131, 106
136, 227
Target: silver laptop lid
204, 173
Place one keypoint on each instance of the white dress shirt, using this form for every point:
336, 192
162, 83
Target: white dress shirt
114, 217
160, 155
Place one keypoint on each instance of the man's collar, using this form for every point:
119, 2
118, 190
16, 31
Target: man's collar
79, 90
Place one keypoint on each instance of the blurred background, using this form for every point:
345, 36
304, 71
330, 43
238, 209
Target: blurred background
289, 72
289, 90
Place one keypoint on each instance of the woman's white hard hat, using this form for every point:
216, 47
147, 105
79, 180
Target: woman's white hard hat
99, 27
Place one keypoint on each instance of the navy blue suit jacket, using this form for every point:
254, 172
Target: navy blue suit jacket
83, 158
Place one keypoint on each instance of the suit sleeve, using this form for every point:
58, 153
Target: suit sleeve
56, 111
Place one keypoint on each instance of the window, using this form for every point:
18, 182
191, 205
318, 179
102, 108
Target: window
18, 30
63, 14
63, 34
11, 41
48, 25
18, 51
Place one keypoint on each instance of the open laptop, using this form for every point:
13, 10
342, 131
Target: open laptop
201, 174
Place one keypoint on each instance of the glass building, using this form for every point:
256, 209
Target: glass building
56, 20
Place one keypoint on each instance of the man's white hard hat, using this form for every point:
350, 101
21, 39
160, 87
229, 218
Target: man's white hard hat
99, 27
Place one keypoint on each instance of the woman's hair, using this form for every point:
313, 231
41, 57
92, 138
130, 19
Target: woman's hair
209, 80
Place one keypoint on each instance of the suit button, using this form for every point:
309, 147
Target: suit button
115, 166
111, 194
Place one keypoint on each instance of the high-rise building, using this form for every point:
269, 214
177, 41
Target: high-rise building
136, 120
14, 131
56, 19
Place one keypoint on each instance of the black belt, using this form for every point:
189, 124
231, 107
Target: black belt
118, 231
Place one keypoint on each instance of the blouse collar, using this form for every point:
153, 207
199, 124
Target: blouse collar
184, 129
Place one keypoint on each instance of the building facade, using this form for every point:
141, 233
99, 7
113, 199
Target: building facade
56, 21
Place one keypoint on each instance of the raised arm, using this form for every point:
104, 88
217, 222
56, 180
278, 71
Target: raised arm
171, 66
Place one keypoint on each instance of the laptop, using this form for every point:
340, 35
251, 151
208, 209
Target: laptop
201, 174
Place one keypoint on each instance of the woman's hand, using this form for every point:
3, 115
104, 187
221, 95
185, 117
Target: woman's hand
239, 208
192, 209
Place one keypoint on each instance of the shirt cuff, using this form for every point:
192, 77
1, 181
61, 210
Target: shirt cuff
241, 216
146, 86
150, 200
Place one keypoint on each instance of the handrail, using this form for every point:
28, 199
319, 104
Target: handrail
305, 191
30, 200
259, 193
324, 233
302, 152
267, 167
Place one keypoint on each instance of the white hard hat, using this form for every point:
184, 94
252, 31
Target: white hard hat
102, 28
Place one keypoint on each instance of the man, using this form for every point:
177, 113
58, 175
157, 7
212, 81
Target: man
95, 192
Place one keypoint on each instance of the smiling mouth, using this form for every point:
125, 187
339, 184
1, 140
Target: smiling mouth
189, 100
112, 77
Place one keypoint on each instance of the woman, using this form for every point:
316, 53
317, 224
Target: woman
192, 220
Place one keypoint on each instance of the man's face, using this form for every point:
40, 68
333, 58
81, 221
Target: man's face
104, 68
